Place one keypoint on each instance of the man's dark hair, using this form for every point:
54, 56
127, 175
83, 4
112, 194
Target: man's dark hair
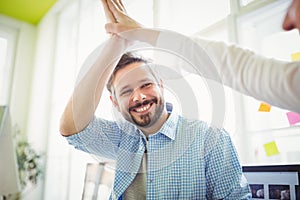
126, 59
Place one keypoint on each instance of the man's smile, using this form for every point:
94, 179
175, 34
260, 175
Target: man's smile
144, 107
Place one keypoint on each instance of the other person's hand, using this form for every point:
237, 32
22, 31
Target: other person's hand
118, 20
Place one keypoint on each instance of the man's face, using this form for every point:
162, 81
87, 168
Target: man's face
138, 95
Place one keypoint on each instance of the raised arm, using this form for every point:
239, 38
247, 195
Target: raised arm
273, 81
265, 79
91, 82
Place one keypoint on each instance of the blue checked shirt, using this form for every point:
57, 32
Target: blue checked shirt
187, 159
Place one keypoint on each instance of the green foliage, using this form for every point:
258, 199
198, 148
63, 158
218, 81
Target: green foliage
28, 163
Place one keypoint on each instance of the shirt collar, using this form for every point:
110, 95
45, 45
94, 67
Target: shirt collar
169, 127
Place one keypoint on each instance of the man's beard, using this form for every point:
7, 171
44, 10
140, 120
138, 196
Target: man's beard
147, 119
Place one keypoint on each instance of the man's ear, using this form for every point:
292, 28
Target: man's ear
114, 102
161, 84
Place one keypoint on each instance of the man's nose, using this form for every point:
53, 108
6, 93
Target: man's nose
138, 96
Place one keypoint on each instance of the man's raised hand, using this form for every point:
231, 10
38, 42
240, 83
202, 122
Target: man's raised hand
118, 20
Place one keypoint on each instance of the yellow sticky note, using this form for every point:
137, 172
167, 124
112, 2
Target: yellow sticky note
271, 148
264, 107
296, 56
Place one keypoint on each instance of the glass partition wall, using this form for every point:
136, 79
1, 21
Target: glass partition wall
272, 134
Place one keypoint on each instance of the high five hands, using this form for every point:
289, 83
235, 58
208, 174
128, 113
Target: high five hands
117, 18
119, 21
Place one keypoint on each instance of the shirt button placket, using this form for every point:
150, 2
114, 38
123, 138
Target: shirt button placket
141, 148
113, 196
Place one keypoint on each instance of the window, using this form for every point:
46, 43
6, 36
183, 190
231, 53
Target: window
7, 52
3, 53
270, 137
189, 16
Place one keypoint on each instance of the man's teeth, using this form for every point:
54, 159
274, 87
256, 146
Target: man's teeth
143, 108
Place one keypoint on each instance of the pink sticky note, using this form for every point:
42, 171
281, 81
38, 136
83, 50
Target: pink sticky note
293, 118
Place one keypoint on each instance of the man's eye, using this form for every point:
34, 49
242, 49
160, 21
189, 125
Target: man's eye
147, 85
126, 92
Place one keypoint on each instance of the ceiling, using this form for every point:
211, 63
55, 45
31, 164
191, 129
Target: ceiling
31, 11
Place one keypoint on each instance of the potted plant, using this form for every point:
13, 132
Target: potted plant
29, 164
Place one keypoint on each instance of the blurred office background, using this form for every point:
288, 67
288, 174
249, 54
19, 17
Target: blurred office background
41, 56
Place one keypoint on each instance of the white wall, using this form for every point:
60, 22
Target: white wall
22, 70
40, 102
22, 73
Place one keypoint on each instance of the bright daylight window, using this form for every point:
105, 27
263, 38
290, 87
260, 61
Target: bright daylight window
190, 16
3, 71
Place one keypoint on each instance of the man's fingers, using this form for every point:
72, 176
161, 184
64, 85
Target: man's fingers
120, 5
113, 6
109, 15
123, 22
114, 9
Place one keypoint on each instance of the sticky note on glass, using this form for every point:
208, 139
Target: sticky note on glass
293, 118
296, 56
271, 149
264, 107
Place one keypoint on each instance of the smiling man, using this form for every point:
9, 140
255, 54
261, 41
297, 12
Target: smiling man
159, 154
137, 92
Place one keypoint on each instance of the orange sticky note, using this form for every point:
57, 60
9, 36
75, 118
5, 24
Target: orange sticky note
296, 56
271, 149
293, 118
264, 107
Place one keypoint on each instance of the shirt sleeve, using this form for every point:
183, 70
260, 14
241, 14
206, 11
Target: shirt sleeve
265, 79
224, 177
101, 138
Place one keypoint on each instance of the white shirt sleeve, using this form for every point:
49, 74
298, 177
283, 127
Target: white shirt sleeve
269, 80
